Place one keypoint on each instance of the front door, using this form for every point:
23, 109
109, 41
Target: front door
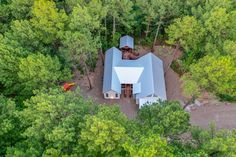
127, 90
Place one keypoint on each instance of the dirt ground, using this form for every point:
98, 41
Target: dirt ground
209, 110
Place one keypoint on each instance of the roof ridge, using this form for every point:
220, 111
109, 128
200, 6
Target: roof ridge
152, 78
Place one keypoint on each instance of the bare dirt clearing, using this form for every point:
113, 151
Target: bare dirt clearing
210, 109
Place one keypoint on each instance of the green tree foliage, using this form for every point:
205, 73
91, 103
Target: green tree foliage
38, 71
21, 9
10, 126
121, 17
57, 123
21, 33
5, 18
199, 8
217, 26
215, 19
104, 135
229, 48
156, 13
221, 146
216, 74
48, 20
232, 26
78, 48
39, 38
190, 89
214, 143
52, 120
88, 16
187, 32
148, 145
165, 118
9, 60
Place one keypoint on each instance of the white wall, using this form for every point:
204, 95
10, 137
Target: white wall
128, 75
111, 95
145, 100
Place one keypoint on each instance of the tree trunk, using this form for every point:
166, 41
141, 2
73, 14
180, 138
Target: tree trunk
114, 27
106, 31
87, 74
186, 105
157, 32
148, 27
189, 102
172, 57
102, 56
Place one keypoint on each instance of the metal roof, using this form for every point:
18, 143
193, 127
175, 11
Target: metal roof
127, 41
151, 79
110, 80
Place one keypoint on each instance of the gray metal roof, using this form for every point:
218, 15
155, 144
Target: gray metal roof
151, 81
110, 80
127, 41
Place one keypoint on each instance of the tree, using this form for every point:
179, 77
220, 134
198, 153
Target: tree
52, 121
21, 32
158, 13
164, 118
229, 48
39, 71
79, 50
21, 9
148, 145
199, 8
221, 146
232, 27
166, 10
187, 32
10, 126
213, 142
103, 136
121, 15
5, 16
88, 15
190, 89
9, 60
217, 74
217, 26
80, 42
146, 9
48, 21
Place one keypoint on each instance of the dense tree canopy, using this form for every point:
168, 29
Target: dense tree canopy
38, 71
43, 41
55, 123
217, 74
187, 32
165, 118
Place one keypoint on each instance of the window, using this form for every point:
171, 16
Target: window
116, 95
122, 86
107, 95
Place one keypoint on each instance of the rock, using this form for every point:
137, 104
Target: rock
196, 102
188, 109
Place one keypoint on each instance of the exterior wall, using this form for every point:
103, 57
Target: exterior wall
145, 100
111, 95
137, 101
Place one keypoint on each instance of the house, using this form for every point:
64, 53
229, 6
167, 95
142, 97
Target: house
144, 77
